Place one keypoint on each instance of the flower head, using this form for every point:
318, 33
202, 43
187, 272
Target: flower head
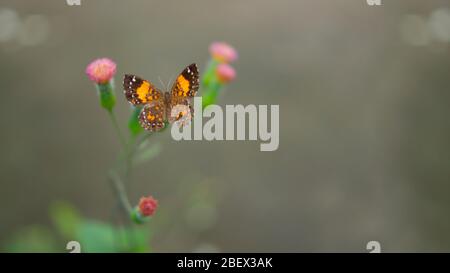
101, 70
225, 73
147, 206
223, 52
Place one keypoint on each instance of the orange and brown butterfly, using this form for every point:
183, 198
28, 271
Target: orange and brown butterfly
158, 106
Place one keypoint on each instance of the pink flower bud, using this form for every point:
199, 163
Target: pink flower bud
223, 52
147, 206
101, 71
225, 73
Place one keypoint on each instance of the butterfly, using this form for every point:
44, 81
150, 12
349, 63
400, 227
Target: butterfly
160, 107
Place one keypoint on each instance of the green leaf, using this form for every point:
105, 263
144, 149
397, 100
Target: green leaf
65, 218
32, 239
147, 152
97, 237
134, 126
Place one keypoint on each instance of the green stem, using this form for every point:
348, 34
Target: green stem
124, 163
210, 71
117, 128
119, 189
129, 153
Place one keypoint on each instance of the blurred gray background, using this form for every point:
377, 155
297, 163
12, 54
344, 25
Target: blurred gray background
364, 121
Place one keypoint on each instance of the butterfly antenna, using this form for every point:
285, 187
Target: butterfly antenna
169, 83
160, 81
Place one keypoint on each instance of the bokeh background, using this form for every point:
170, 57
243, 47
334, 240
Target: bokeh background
364, 123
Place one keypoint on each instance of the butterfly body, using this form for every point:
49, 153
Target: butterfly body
159, 107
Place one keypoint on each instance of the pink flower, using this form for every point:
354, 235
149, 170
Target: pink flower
223, 52
101, 70
147, 206
225, 73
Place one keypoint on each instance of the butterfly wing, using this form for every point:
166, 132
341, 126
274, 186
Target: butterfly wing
139, 91
184, 88
152, 115
187, 83
180, 109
